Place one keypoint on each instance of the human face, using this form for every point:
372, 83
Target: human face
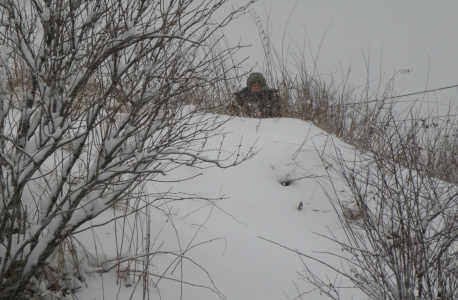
256, 88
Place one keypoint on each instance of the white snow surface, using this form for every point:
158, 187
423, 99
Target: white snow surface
256, 204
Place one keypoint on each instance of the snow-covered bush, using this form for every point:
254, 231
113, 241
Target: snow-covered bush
97, 112
405, 241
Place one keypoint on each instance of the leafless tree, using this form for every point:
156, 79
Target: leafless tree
90, 107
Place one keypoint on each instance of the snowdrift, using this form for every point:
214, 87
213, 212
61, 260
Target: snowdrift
226, 240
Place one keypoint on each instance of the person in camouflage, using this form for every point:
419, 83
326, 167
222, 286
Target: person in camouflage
257, 99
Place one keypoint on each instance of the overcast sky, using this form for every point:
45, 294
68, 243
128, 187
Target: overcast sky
390, 35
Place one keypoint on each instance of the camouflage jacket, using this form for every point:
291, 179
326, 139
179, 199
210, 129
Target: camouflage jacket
265, 104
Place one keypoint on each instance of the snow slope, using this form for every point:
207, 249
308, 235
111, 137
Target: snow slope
256, 206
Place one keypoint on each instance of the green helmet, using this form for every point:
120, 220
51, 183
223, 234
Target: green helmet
256, 78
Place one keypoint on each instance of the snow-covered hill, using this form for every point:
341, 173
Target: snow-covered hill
225, 240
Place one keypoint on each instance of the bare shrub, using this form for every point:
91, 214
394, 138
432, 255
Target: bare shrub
404, 244
95, 88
